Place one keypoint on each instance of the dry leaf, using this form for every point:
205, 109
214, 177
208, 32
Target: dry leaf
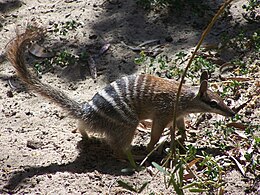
104, 48
92, 67
188, 176
40, 51
193, 162
209, 46
241, 134
237, 125
150, 170
240, 167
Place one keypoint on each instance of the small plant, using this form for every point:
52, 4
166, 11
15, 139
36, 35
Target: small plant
207, 179
132, 188
244, 41
147, 61
251, 9
163, 67
162, 60
142, 59
181, 56
191, 153
211, 170
230, 89
199, 64
198, 7
149, 4
256, 40
64, 27
242, 67
227, 131
252, 5
64, 58
43, 66
251, 129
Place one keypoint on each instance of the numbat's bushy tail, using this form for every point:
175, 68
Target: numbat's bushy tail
116, 110
15, 54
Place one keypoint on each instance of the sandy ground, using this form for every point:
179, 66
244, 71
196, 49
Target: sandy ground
39, 153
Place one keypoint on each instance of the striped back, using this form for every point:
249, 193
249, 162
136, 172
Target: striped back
127, 99
115, 102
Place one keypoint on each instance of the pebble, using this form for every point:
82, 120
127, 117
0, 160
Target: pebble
34, 144
9, 94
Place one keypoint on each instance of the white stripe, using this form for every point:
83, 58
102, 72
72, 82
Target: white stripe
94, 107
142, 87
118, 91
99, 112
110, 100
128, 96
135, 88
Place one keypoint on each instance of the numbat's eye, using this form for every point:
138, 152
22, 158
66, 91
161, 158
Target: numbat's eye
213, 103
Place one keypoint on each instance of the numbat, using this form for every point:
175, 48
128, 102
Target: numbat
116, 110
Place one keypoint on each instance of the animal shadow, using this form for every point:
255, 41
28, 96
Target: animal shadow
94, 154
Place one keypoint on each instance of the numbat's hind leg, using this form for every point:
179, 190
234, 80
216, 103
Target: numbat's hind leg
82, 129
120, 139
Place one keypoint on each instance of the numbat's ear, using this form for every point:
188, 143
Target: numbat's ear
203, 87
204, 76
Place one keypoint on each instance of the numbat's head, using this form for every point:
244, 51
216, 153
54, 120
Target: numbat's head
208, 101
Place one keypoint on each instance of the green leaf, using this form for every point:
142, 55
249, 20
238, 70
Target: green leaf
128, 170
143, 186
198, 190
126, 186
177, 188
160, 168
181, 171
190, 185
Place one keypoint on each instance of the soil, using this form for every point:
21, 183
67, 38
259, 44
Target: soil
40, 154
